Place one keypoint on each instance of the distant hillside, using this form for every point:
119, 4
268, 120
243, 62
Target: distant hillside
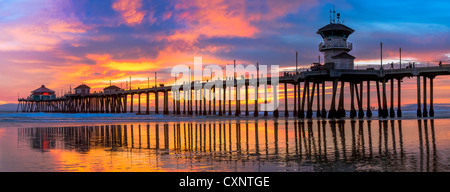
8, 107
436, 106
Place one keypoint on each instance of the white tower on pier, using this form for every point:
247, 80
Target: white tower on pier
335, 46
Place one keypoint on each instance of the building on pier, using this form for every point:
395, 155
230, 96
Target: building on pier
111, 89
42, 93
335, 46
82, 89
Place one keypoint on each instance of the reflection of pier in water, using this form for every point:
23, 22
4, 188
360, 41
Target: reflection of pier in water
323, 145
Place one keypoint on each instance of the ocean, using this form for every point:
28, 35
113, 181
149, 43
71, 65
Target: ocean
57, 142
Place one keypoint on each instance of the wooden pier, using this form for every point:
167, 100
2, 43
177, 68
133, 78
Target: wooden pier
306, 85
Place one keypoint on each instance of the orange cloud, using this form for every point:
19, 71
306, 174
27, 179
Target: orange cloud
130, 11
25, 38
222, 18
131, 66
67, 26
40, 34
211, 19
105, 61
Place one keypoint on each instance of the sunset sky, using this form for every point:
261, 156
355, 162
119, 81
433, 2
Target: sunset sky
62, 43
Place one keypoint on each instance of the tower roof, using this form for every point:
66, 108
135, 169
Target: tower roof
82, 86
335, 27
343, 55
42, 89
111, 87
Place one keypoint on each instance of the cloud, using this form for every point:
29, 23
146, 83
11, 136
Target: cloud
41, 30
222, 18
211, 19
130, 11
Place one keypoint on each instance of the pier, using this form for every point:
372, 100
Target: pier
304, 83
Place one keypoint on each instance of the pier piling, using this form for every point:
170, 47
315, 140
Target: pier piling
425, 112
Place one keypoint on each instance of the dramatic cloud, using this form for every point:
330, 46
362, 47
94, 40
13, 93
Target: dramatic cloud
235, 18
43, 29
130, 10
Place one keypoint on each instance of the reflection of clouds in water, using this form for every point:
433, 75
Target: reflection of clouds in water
274, 145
